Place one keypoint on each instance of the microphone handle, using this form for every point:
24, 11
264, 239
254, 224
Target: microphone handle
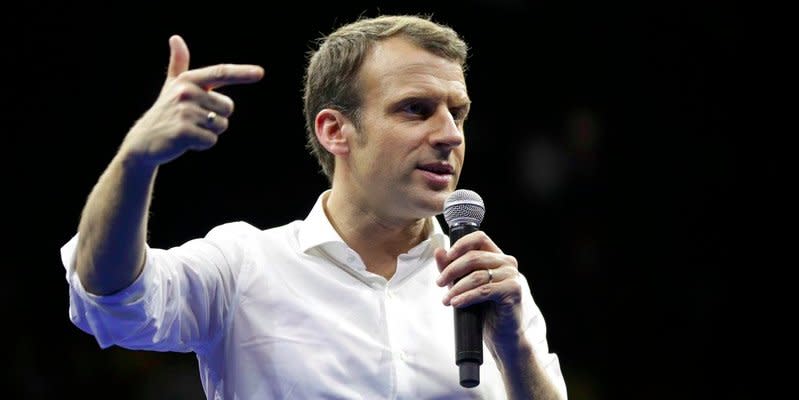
468, 328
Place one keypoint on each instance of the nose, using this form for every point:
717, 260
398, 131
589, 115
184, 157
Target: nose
447, 134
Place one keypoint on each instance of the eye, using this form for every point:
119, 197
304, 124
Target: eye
418, 108
459, 113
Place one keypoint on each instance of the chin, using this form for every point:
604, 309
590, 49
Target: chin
429, 200
438, 200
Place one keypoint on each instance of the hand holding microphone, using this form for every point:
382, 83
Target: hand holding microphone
464, 211
490, 276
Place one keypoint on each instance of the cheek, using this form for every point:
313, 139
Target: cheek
458, 154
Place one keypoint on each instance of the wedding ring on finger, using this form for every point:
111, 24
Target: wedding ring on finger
210, 118
490, 276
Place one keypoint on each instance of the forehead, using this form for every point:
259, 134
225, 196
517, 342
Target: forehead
396, 66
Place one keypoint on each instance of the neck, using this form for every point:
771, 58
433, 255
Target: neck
376, 237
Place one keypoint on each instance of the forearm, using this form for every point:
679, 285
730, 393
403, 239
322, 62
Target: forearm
113, 227
524, 377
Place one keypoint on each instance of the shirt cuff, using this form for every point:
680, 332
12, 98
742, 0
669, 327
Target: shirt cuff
130, 294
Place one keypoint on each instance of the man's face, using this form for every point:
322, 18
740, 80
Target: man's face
410, 147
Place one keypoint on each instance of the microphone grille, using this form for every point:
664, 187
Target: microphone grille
464, 207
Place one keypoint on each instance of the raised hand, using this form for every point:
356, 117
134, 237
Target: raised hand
188, 114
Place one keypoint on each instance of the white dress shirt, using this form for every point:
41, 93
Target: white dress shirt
292, 313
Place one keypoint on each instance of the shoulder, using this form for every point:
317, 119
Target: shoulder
242, 232
233, 229
242, 243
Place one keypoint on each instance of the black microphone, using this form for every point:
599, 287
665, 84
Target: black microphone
464, 211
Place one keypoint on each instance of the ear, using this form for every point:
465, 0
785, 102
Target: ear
333, 130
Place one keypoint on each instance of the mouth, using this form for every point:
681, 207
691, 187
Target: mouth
438, 168
438, 175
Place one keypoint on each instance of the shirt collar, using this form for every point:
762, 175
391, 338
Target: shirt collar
317, 230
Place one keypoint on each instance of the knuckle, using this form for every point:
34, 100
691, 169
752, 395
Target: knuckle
185, 126
222, 102
182, 77
514, 291
475, 279
219, 71
471, 257
182, 90
482, 237
184, 111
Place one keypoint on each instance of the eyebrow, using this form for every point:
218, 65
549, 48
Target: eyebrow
419, 93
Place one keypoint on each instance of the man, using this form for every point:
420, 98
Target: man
346, 303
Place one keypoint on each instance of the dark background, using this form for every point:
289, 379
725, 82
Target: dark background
607, 141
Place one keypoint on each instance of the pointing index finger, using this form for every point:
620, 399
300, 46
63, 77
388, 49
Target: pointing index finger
225, 74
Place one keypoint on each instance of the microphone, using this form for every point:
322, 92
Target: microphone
464, 211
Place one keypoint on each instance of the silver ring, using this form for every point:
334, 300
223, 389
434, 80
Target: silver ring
490, 276
211, 117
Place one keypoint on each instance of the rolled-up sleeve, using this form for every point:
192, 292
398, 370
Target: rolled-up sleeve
177, 303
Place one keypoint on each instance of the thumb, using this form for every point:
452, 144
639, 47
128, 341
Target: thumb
441, 258
178, 57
